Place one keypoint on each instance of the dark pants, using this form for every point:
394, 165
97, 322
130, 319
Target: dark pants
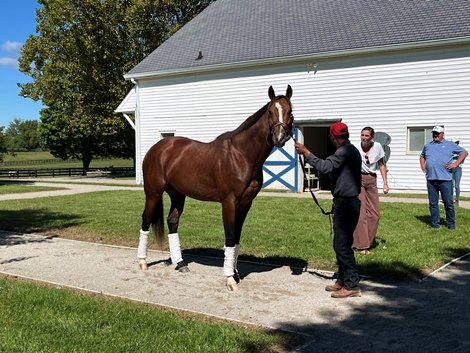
346, 214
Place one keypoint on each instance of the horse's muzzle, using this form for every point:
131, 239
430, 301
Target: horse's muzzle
281, 133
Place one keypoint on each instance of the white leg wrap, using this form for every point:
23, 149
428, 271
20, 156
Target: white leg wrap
229, 261
175, 248
143, 242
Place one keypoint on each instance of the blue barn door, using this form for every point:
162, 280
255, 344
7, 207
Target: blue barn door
283, 168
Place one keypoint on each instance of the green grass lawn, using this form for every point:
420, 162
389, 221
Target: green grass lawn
37, 318
27, 156
278, 230
36, 156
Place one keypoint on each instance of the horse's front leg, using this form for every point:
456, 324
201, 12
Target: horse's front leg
240, 216
177, 206
232, 245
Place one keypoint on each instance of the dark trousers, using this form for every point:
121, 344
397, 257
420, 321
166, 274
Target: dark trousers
346, 214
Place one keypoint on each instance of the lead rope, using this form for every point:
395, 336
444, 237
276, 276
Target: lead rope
329, 213
302, 164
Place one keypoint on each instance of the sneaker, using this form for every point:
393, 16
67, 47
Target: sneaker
346, 293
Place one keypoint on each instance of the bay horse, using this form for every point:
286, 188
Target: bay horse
227, 170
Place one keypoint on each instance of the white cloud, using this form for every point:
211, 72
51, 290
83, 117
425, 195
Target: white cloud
11, 46
6, 61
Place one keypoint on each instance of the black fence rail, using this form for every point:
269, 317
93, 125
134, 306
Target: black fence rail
56, 172
38, 161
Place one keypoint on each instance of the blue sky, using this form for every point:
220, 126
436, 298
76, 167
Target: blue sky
17, 23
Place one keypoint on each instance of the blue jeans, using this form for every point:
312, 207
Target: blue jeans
456, 176
446, 189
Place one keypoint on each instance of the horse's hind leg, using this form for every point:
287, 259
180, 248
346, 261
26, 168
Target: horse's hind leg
176, 209
152, 203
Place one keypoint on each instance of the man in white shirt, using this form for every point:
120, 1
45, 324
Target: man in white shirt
372, 155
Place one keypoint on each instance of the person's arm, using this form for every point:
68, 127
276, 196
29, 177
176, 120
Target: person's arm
383, 172
324, 166
422, 162
459, 160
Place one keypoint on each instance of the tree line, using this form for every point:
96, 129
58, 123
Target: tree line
20, 135
76, 62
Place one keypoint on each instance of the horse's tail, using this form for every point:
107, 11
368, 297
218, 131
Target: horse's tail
157, 223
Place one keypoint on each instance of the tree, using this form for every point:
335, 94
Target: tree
22, 135
77, 62
3, 147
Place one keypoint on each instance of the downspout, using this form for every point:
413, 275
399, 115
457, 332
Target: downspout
138, 158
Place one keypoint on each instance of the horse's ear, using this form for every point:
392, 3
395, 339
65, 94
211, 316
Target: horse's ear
289, 91
271, 93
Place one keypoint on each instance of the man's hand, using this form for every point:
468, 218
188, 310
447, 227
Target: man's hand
301, 149
451, 165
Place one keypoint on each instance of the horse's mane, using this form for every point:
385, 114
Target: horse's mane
245, 125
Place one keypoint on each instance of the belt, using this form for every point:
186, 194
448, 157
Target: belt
371, 174
345, 197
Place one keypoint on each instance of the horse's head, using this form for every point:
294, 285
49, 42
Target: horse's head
281, 120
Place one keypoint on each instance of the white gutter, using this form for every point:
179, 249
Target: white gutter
296, 58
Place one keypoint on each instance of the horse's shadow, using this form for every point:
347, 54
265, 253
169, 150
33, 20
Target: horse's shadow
246, 264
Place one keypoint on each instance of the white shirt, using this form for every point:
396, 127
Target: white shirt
371, 158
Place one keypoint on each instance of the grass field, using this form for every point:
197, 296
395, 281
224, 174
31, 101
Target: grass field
277, 230
285, 231
39, 156
37, 318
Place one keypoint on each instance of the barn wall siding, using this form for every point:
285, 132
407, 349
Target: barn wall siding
388, 92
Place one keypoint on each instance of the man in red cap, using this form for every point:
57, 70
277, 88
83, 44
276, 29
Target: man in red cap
344, 168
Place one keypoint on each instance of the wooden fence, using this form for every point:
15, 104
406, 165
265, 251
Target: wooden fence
56, 172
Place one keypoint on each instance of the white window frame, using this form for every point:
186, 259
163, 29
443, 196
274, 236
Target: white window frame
413, 132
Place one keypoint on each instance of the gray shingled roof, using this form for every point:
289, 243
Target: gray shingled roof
234, 31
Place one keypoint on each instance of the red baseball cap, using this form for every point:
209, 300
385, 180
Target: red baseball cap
339, 129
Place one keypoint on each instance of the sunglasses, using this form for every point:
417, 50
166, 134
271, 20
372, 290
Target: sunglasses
367, 159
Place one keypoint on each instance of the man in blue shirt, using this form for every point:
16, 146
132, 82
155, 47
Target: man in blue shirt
436, 162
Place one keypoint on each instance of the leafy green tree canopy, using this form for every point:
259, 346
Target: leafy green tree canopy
22, 135
77, 61
3, 145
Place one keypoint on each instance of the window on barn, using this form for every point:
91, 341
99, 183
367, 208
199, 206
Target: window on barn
418, 137
167, 134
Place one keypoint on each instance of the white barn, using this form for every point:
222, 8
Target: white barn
399, 66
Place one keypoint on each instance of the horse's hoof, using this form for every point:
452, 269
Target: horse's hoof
232, 284
143, 265
182, 267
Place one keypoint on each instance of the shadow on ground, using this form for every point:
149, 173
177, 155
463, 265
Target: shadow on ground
36, 220
431, 316
215, 257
